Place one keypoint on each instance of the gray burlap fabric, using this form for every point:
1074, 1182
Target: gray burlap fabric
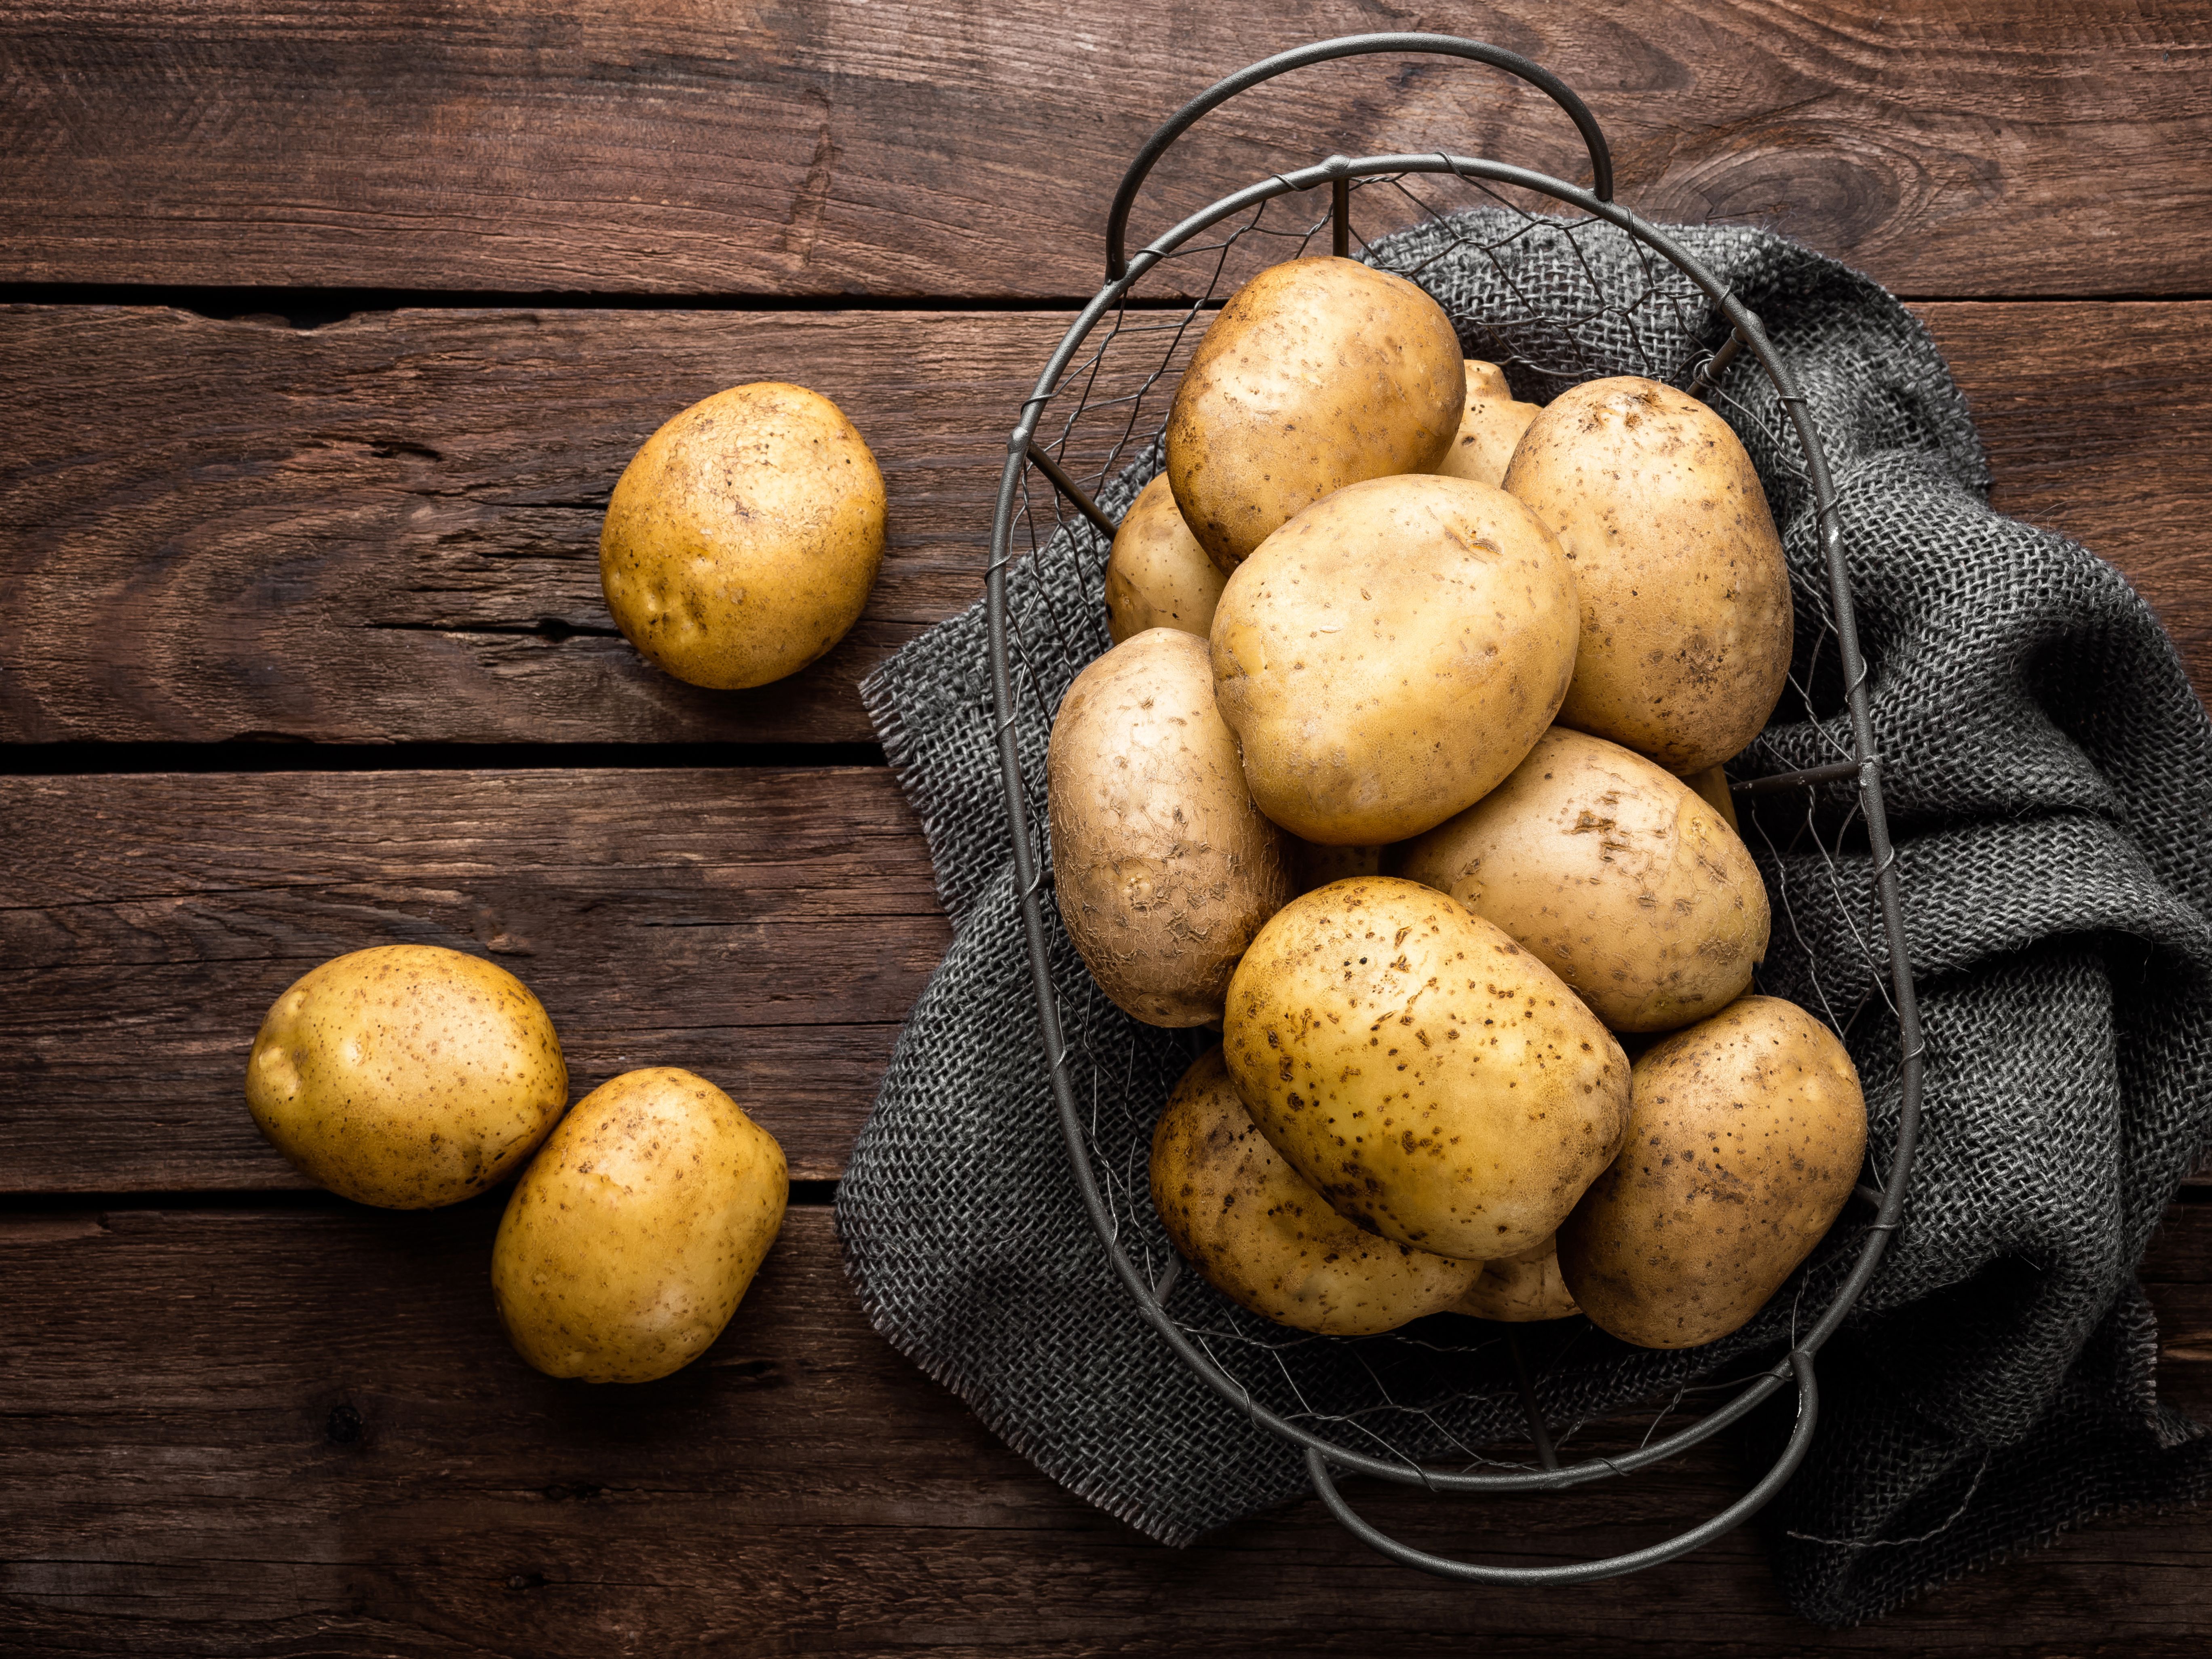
2050, 782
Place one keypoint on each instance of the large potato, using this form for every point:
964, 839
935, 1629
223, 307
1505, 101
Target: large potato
1316, 374
1489, 430
631, 1238
1620, 879
742, 539
1262, 1236
1158, 575
1746, 1135
1432, 1080
1391, 653
406, 1075
1520, 1290
1685, 619
1163, 866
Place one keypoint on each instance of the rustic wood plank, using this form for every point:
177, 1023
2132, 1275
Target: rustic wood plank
768, 929
281, 1432
1965, 146
386, 530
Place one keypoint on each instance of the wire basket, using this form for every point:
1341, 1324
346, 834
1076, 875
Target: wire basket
1557, 284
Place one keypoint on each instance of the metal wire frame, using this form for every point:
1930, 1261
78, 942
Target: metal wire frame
1325, 1458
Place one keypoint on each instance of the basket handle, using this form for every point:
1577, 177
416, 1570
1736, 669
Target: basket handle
1323, 52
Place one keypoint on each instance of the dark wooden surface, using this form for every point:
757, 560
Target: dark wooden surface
324, 331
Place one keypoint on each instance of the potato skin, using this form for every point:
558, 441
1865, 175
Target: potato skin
1434, 1081
1158, 575
742, 539
1746, 1135
1315, 865
1685, 611
1318, 374
1391, 653
1620, 879
633, 1236
406, 1076
1261, 1236
1490, 427
1163, 866
1520, 1290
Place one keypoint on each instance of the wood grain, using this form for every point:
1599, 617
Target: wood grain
768, 929
1960, 147
386, 530
303, 1431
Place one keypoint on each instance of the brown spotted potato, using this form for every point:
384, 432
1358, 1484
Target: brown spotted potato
1489, 428
1522, 1288
1158, 575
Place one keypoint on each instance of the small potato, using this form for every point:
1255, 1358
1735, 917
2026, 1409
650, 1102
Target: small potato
1391, 653
1434, 1081
742, 539
1685, 611
1163, 866
1521, 1289
1315, 865
1619, 879
1489, 428
1746, 1136
1712, 788
406, 1075
1265, 1239
1318, 374
632, 1237
1158, 575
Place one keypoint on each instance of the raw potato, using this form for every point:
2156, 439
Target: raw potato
406, 1075
1318, 374
1616, 874
1163, 866
1265, 1239
742, 539
1390, 655
631, 1238
1315, 865
1746, 1136
1489, 430
1158, 575
1432, 1080
1685, 618
1712, 788
1521, 1289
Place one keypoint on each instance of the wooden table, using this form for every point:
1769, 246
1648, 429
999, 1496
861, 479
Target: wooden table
328, 329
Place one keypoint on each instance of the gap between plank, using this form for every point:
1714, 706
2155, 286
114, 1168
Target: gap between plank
275, 752
808, 1194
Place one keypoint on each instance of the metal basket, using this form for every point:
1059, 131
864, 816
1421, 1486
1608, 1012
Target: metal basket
1101, 404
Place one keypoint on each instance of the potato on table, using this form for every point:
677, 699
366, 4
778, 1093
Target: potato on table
1158, 575
1261, 1236
1490, 427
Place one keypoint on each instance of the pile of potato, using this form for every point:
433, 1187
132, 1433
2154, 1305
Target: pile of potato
1403, 773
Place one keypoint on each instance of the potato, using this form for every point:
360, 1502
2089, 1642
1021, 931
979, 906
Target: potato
742, 539
1264, 1238
1391, 653
632, 1237
1520, 1288
1712, 788
1315, 865
1434, 1081
1489, 428
1158, 575
1318, 374
406, 1075
1685, 618
1746, 1135
1163, 866
1619, 879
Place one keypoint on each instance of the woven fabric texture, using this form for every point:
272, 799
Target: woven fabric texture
2049, 779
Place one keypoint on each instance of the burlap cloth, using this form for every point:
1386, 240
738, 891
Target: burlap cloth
2050, 784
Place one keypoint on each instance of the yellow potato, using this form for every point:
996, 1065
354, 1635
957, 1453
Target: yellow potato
1619, 879
1746, 1136
1158, 575
1318, 374
1315, 865
1163, 867
742, 539
1391, 653
1521, 1289
1686, 615
1262, 1236
632, 1237
1712, 788
1489, 430
406, 1075
1434, 1081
